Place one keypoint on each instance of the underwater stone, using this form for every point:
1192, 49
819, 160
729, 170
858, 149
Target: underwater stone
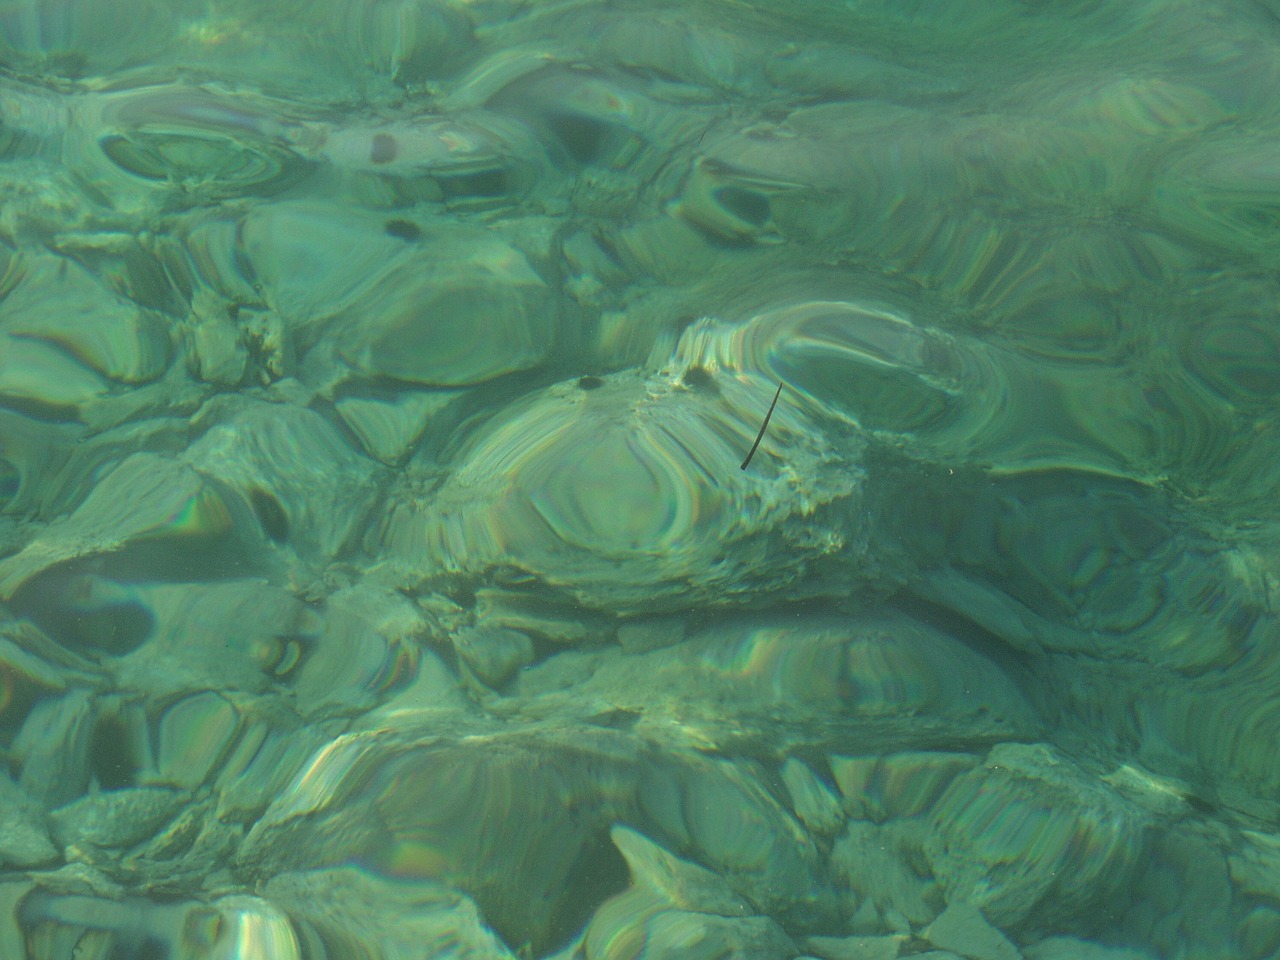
1217, 719
493, 654
1163, 796
273, 746
865, 367
721, 812
389, 427
412, 804
467, 160
39, 376
876, 668
638, 925
881, 865
651, 633
1255, 865
834, 71
687, 47
1259, 933
1220, 190
461, 310
53, 745
309, 258
246, 924
347, 909
115, 818
32, 457
408, 41
527, 612
146, 142
1125, 105
680, 883
1088, 841
230, 635
1187, 879
88, 39
813, 801
62, 305
146, 502
239, 926
364, 649
193, 735
11, 894
216, 351
896, 785
36, 666
962, 928
1070, 948
630, 497
599, 119
434, 687
856, 948
771, 682
178, 840
24, 838
291, 466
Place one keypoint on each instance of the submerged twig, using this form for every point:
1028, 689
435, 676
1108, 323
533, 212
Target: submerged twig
764, 426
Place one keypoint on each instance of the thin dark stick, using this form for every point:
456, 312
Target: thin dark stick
764, 426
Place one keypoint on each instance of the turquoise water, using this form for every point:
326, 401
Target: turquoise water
381, 571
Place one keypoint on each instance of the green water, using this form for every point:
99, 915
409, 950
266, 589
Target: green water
381, 571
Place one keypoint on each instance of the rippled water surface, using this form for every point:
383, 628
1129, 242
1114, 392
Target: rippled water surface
382, 573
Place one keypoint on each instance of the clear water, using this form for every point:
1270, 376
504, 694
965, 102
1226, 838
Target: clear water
381, 575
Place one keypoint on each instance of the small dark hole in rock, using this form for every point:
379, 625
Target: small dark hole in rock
275, 522
113, 764
403, 229
582, 137
700, 378
746, 205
